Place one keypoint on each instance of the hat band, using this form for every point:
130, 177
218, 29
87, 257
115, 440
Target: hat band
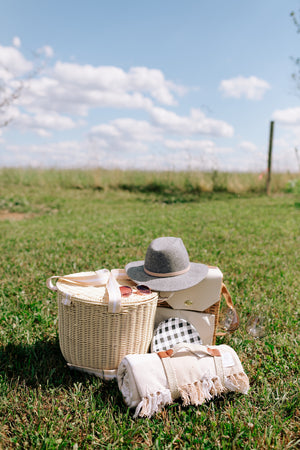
169, 274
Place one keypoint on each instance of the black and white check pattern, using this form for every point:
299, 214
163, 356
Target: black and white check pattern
174, 331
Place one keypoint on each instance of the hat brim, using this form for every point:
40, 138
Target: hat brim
196, 273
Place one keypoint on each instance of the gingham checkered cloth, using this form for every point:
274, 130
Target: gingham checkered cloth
174, 331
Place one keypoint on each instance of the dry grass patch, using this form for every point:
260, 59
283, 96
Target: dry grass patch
12, 216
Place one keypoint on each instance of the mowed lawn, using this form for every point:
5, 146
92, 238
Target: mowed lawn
47, 229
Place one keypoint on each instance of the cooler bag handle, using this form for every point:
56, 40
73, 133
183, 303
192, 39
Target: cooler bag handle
235, 319
102, 277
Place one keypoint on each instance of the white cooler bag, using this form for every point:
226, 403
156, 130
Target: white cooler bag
198, 305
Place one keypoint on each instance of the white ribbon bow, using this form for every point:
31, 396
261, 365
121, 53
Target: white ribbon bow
102, 277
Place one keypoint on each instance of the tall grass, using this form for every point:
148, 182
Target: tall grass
143, 181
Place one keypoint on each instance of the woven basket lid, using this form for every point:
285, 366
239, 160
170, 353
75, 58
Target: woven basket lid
99, 295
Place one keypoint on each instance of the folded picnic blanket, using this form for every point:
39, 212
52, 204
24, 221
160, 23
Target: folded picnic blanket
193, 372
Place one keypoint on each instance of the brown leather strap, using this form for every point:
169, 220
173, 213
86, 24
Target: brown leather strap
229, 302
227, 296
165, 354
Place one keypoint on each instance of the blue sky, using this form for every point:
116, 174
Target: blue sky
153, 85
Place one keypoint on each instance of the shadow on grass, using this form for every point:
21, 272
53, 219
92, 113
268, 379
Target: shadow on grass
38, 364
169, 193
42, 365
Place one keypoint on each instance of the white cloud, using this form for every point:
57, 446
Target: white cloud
81, 154
196, 155
111, 99
286, 140
46, 50
248, 146
153, 82
190, 145
46, 121
124, 141
137, 137
59, 154
126, 130
13, 63
289, 116
111, 79
284, 158
39, 88
252, 88
42, 123
109, 149
140, 144
73, 89
195, 123
55, 99
16, 41
137, 155
103, 78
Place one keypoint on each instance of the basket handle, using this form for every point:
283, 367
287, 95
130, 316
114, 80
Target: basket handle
102, 277
229, 303
50, 285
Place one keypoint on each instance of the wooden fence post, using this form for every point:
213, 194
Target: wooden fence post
270, 158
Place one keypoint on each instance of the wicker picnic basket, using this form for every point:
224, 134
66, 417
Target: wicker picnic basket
94, 335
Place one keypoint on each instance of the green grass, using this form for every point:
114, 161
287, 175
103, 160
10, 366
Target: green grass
74, 221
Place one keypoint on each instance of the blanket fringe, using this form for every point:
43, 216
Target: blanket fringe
204, 390
153, 403
193, 394
200, 391
238, 382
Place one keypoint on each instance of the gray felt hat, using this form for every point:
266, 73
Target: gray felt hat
167, 267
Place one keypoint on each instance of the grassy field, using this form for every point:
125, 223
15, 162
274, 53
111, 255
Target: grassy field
61, 222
